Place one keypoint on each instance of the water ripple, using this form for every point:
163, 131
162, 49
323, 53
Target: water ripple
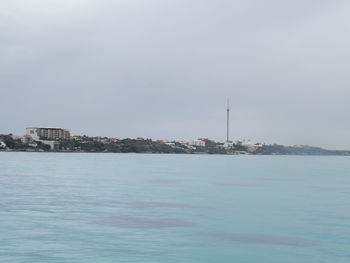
143, 222
258, 239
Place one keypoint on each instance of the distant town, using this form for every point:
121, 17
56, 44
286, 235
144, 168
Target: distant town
53, 139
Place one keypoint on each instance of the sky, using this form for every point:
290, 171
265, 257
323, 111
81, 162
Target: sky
164, 69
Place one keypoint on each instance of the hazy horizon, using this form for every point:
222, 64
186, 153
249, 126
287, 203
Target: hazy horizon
164, 69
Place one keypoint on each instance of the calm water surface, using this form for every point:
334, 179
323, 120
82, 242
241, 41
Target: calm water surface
60, 207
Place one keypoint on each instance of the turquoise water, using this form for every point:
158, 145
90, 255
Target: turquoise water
61, 207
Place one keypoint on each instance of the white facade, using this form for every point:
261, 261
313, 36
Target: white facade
251, 147
27, 139
52, 144
199, 143
228, 145
47, 133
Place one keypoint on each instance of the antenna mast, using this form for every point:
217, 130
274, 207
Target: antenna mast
228, 121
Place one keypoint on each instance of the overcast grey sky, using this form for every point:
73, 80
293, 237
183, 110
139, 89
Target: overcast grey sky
164, 68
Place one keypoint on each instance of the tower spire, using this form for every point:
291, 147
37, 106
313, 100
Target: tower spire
228, 121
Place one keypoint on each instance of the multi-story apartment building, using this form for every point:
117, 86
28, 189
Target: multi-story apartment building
47, 133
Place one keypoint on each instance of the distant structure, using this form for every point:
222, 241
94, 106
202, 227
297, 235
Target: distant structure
198, 142
2, 145
47, 133
228, 144
228, 122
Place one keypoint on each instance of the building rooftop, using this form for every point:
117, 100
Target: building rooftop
45, 128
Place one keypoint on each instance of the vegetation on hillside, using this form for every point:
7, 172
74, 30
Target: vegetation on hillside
140, 145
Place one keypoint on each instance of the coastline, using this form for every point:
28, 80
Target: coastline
345, 154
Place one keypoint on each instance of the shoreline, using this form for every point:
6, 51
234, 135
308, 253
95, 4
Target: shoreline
172, 153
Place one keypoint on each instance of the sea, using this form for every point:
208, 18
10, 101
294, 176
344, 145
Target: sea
171, 208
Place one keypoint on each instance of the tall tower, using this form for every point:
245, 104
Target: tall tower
228, 122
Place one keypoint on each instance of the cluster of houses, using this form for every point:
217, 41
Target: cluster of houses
207, 143
51, 136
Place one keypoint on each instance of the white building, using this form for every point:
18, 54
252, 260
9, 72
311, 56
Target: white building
47, 133
26, 139
199, 143
228, 145
251, 147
